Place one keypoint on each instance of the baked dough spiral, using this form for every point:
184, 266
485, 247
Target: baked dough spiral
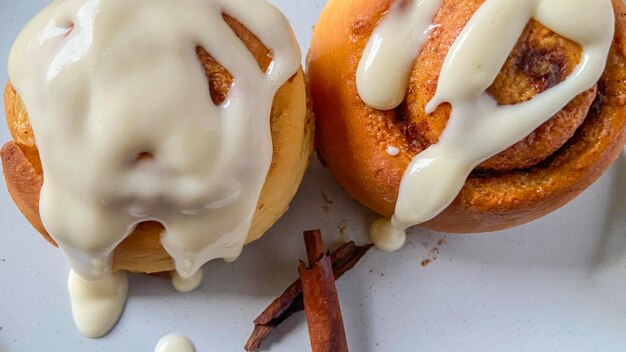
292, 138
528, 180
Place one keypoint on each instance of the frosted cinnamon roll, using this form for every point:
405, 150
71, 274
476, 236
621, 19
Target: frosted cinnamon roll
467, 116
149, 136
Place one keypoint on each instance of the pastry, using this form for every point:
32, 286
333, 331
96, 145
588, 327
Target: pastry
149, 136
467, 116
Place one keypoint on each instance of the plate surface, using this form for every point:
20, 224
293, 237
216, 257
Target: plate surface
557, 284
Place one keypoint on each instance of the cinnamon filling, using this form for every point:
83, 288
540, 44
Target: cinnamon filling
220, 80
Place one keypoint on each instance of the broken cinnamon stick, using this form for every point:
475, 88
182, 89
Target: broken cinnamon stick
321, 301
314, 245
290, 301
344, 259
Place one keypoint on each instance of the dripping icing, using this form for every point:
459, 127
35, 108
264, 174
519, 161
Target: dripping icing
184, 285
97, 304
395, 43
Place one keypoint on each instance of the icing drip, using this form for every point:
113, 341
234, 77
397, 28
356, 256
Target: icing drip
436, 176
395, 43
185, 285
175, 343
105, 82
97, 305
385, 237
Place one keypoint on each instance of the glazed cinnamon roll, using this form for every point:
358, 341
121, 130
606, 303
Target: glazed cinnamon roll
149, 136
292, 138
467, 116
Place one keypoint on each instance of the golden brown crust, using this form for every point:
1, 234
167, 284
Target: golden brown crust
19, 126
530, 179
292, 133
22, 179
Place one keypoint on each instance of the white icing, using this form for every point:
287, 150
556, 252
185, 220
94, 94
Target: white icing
183, 284
175, 343
97, 305
104, 81
394, 44
393, 151
385, 237
478, 127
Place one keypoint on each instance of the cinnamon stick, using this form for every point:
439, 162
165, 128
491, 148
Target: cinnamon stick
321, 302
314, 245
290, 301
344, 259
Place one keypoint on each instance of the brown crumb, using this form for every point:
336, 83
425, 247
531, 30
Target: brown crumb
327, 202
342, 230
433, 252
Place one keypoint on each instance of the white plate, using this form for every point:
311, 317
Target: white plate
558, 284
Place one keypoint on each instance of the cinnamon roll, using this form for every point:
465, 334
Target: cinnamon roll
149, 136
467, 116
